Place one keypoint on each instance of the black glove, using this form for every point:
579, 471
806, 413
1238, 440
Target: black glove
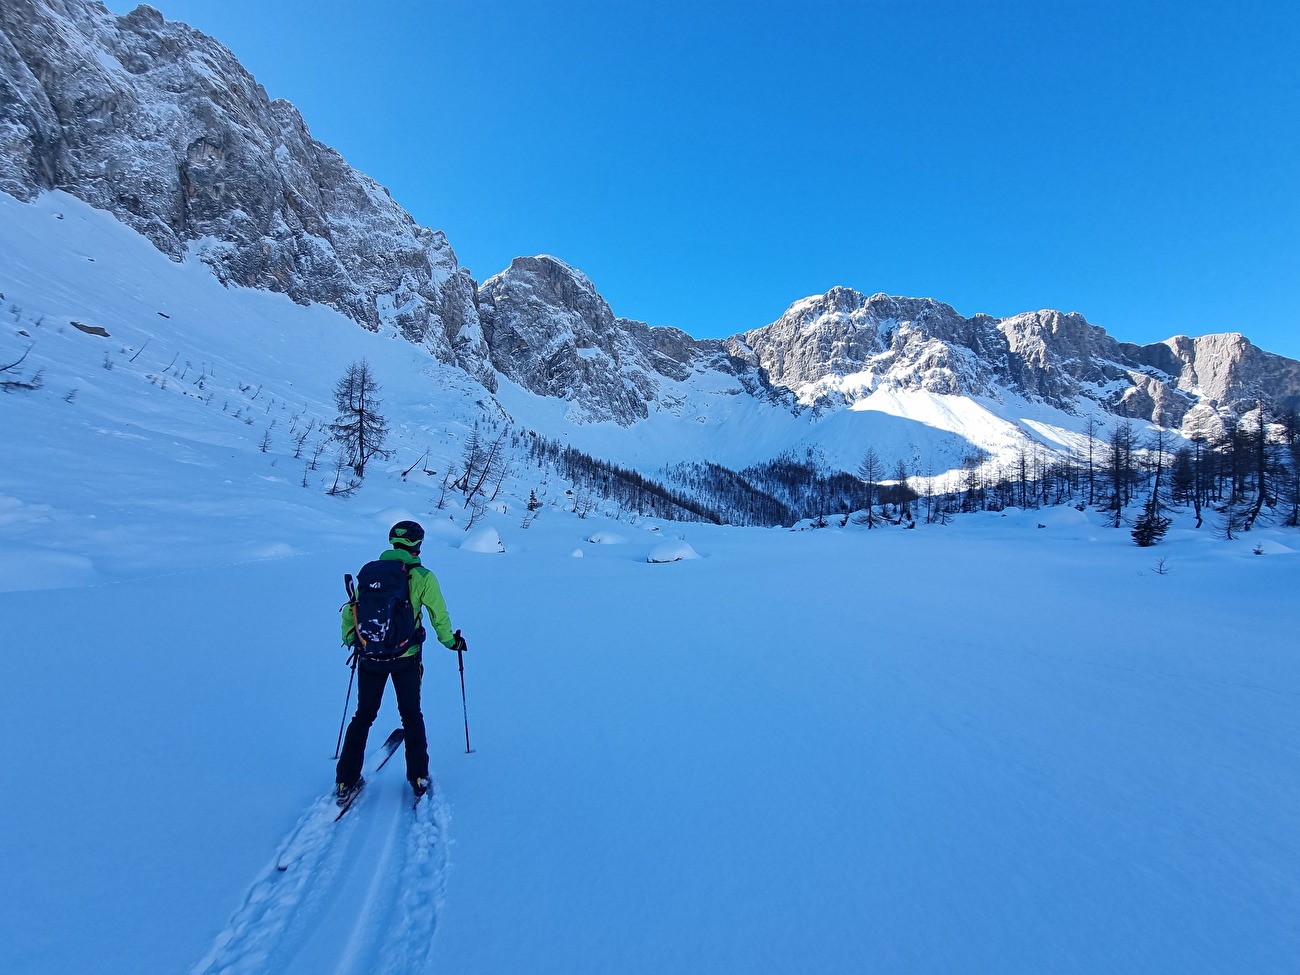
460, 646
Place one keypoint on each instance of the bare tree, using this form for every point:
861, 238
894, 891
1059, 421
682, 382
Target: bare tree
491, 467
470, 458
343, 487
360, 427
1260, 450
903, 491
417, 463
1090, 429
869, 471
1233, 519
973, 488
18, 380
1022, 478
1153, 523
1120, 464
1291, 490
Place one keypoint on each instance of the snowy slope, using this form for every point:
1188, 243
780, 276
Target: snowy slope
191, 379
316, 907
986, 747
929, 756
239, 353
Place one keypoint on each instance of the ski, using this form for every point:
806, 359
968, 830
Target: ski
386, 751
390, 746
309, 830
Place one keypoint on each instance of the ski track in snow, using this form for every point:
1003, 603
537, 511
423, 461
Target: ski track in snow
420, 889
359, 895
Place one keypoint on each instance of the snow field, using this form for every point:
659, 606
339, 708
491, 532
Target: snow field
984, 747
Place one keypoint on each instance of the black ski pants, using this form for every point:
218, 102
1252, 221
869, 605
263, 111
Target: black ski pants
371, 677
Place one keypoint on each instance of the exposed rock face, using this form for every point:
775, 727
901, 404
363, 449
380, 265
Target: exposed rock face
160, 125
550, 331
838, 347
835, 347
1224, 369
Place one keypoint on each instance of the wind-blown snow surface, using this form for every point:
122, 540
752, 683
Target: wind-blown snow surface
985, 747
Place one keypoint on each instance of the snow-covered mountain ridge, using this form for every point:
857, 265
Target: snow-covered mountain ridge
161, 126
844, 345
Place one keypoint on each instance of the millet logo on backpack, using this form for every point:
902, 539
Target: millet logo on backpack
386, 624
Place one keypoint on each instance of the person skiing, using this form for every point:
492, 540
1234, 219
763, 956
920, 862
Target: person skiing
384, 656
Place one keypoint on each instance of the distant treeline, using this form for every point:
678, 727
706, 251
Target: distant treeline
627, 489
1251, 469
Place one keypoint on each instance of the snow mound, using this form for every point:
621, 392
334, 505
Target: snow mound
483, 540
576, 553
606, 538
272, 550
674, 551
24, 568
390, 515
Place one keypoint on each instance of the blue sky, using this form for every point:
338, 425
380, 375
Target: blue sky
707, 164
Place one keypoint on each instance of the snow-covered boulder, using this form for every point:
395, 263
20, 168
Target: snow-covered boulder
483, 540
672, 551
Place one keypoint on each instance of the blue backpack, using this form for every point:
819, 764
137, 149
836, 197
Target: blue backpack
386, 623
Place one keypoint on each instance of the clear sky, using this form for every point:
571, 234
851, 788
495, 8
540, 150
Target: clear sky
708, 163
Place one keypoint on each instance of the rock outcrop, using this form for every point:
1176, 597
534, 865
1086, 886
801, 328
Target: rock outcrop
161, 125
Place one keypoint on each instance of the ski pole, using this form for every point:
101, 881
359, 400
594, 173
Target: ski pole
352, 600
346, 700
460, 659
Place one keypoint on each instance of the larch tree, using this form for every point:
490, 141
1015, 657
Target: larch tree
870, 471
359, 426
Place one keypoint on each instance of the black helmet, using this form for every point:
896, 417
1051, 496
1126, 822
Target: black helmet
408, 534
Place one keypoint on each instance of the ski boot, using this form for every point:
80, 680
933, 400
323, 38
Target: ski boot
343, 794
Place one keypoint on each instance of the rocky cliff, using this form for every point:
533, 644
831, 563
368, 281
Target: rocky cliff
835, 348
549, 330
162, 126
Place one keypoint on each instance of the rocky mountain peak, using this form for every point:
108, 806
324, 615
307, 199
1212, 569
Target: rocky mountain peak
842, 345
550, 331
161, 125
836, 348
